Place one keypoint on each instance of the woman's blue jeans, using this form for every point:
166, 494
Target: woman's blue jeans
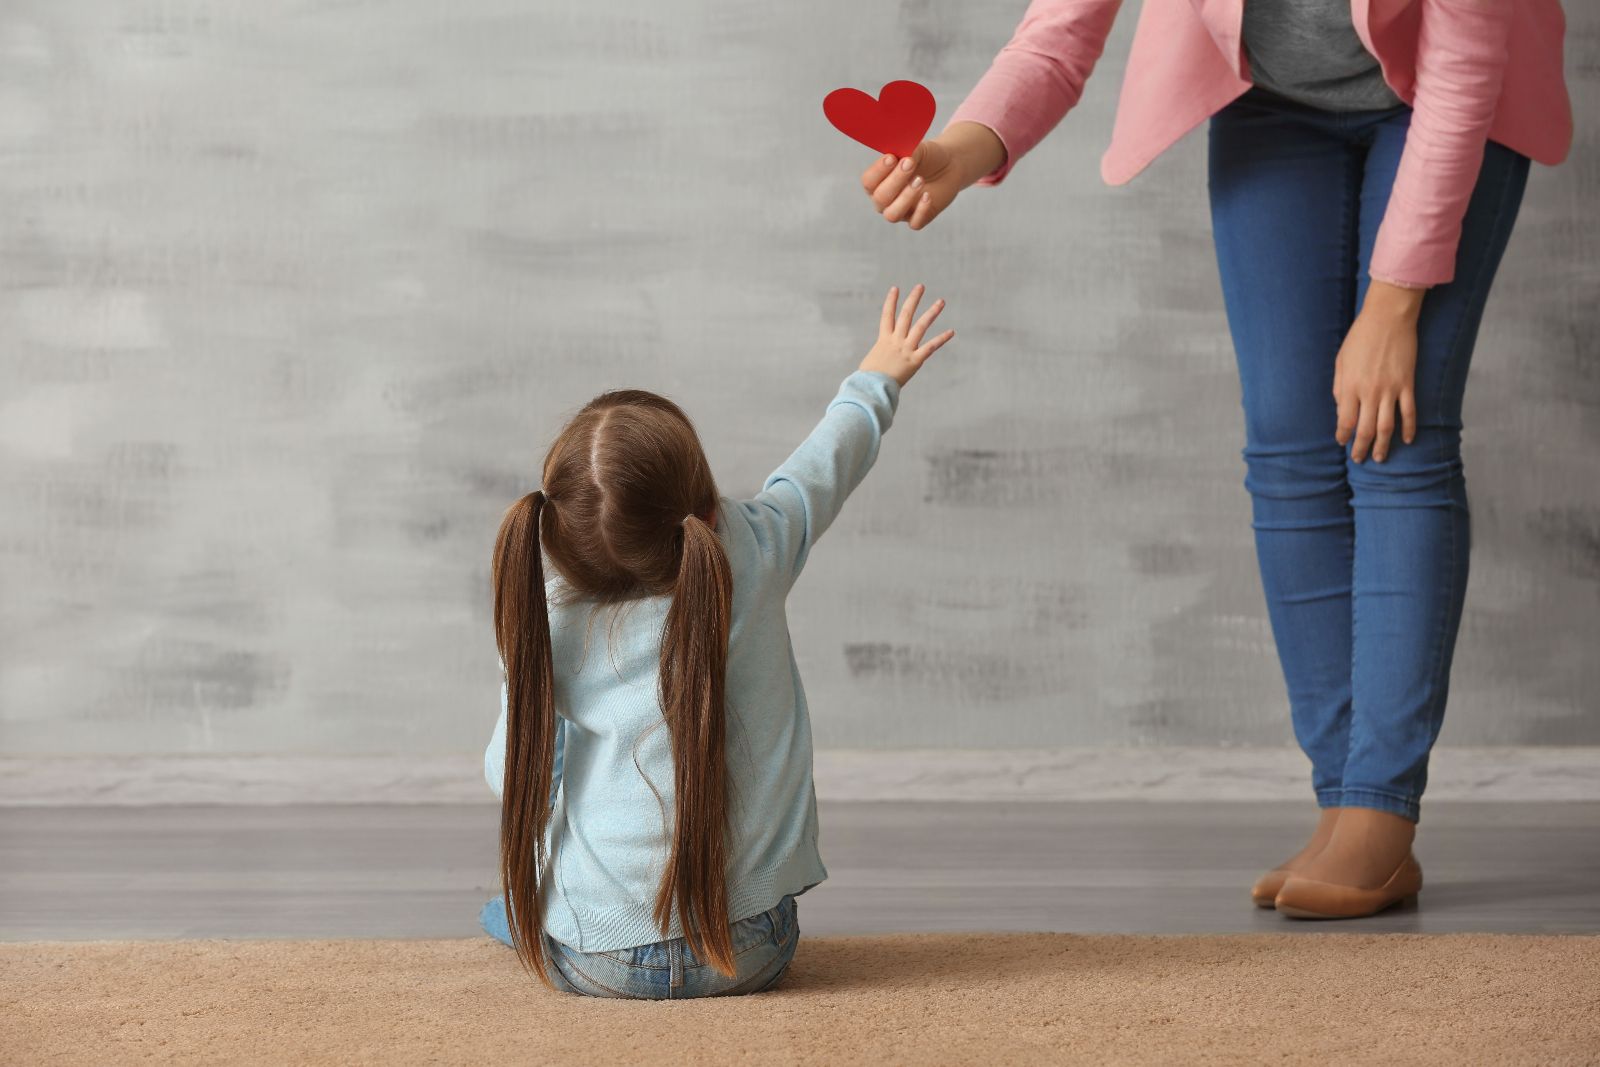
1364, 564
763, 945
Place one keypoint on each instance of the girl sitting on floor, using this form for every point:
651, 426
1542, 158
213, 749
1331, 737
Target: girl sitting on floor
657, 813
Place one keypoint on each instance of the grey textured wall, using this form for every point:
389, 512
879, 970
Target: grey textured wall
292, 296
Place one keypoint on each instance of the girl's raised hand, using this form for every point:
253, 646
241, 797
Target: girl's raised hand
901, 351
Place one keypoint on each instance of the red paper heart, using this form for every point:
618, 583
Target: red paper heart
893, 123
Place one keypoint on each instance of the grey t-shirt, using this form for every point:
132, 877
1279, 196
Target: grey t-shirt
1309, 52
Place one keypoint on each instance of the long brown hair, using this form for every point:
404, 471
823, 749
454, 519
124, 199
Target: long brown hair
626, 512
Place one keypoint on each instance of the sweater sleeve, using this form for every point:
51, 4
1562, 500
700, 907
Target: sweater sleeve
1462, 51
803, 496
494, 757
1039, 75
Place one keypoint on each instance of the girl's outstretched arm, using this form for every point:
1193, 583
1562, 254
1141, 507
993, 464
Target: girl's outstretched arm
803, 496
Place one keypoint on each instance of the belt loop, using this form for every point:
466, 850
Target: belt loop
675, 961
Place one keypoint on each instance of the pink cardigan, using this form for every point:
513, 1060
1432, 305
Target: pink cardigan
1471, 70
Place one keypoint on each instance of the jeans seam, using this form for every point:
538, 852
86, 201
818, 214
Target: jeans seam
1352, 288
1411, 803
769, 974
594, 981
1352, 223
1375, 791
783, 939
667, 967
751, 948
634, 967
659, 967
1435, 673
761, 979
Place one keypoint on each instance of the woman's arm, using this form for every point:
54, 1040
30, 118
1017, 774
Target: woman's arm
1035, 80
1461, 60
1038, 76
1462, 49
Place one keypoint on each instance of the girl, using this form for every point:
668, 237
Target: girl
657, 816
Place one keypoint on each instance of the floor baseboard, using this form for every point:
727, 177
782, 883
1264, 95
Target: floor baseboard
1063, 774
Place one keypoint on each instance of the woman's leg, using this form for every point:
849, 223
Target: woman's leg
1285, 208
1412, 529
1412, 540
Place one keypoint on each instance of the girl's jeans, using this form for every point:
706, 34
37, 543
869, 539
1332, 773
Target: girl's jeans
763, 945
1364, 565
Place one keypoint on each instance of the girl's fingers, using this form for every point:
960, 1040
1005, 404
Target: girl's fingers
873, 175
886, 322
932, 346
920, 327
1380, 444
893, 184
901, 209
1408, 416
909, 308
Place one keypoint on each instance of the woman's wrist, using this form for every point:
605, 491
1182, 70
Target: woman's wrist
977, 150
1394, 301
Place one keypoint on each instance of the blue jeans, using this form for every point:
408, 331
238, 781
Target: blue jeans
1364, 565
763, 945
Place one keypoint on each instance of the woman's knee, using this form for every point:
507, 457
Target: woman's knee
1425, 473
1296, 485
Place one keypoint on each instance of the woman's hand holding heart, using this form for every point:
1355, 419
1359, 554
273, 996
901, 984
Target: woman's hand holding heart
914, 190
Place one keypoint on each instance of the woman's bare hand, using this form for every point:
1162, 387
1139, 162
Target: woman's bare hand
1374, 375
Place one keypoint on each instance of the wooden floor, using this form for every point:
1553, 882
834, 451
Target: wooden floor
314, 872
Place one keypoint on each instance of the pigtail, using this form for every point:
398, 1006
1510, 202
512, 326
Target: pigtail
522, 630
694, 670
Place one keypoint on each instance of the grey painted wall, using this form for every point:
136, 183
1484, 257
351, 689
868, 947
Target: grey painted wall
292, 296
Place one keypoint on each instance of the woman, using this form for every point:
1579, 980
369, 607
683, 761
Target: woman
1367, 158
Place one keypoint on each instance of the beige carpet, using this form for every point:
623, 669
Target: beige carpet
927, 999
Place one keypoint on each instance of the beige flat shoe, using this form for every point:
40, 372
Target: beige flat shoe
1264, 894
1306, 898
1265, 891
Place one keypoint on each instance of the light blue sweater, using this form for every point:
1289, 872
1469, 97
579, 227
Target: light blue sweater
609, 832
